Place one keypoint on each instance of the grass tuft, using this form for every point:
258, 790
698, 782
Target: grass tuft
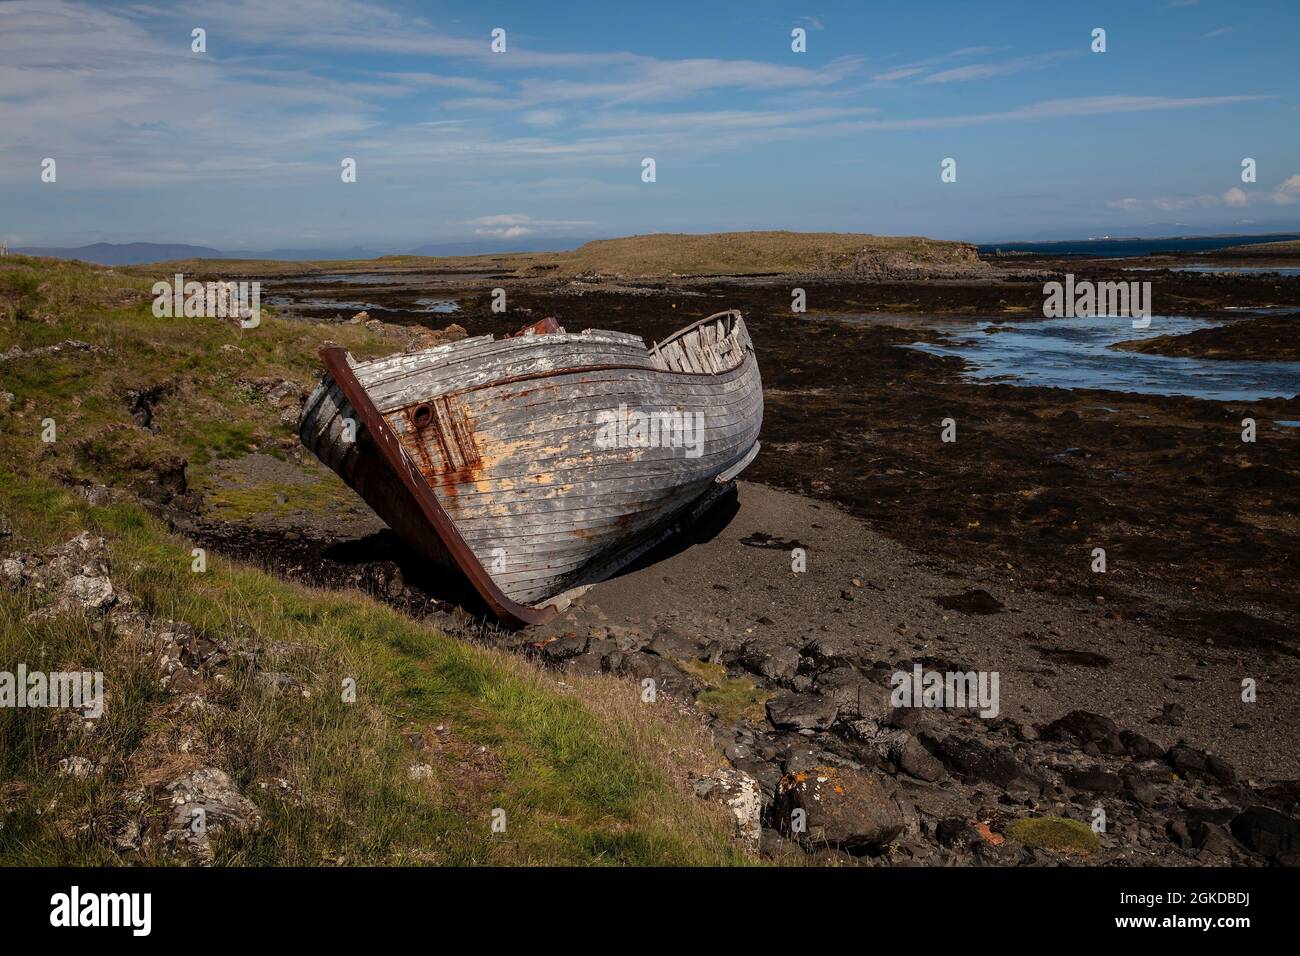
1055, 833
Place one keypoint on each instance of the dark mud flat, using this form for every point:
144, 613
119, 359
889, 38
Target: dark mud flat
1200, 529
974, 554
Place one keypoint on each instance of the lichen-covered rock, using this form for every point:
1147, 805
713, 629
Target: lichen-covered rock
78, 767
74, 574
205, 802
841, 808
743, 796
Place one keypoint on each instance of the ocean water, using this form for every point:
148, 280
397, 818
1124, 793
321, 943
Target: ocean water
1130, 247
1077, 353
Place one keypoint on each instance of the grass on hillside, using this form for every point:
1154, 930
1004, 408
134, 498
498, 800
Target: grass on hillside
751, 253
585, 772
660, 254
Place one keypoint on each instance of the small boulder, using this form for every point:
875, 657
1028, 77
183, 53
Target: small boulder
974, 761
670, 643
770, 657
1266, 831
741, 794
916, 761
205, 802
801, 712
841, 808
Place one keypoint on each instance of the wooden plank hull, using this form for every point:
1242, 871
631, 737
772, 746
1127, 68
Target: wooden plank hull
541, 462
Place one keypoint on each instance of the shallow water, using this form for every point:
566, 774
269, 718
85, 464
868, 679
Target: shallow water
1243, 270
1076, 353
352, 306
438, 305
360, 278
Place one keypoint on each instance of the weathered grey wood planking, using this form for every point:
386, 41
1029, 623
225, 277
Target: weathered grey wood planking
517, 465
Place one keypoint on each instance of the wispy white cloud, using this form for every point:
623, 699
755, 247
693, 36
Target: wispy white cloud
516, 224
645, 80
1285, 193
288, 89
982, 71
722, 119
1060, 109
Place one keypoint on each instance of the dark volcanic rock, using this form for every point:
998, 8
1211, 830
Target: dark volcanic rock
1268, 832
1088, 730
831, 651
1139, 747
671, 643
1094, 780
801, 712
1082, 727
856, 696
564, 647
957, 832
972, 760
1171, 715
1065, 655
1189, 761
971, 601
770, 657
667, 677
915, 760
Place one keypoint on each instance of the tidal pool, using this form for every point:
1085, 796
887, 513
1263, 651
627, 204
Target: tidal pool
1077, 353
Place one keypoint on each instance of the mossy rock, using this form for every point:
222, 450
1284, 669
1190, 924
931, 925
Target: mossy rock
732, 699
1055, 833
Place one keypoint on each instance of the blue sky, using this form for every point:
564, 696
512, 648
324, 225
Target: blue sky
240, 147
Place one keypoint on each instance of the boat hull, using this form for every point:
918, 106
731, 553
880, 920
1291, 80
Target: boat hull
541, 463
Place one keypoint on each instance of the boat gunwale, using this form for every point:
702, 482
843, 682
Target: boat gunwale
581, 369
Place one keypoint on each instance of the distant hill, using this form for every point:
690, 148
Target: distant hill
124, 254
140, 253
1288, 247
661, 254
759, 253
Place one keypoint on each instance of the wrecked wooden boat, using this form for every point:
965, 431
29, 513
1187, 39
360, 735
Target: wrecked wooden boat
539, 463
